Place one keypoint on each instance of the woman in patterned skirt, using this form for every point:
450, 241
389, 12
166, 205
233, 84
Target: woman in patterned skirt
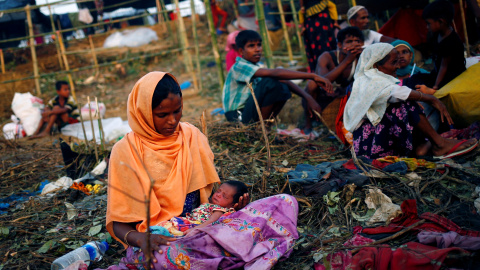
319, 35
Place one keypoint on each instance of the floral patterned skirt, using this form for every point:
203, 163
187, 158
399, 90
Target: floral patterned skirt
395, 135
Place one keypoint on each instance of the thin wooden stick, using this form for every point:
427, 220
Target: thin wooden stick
2, 61
462, 12
213, 36
325, 123
100, 125
94, 55
57, 46
67, 67
203, 121
235, 8
83, 128
354, 3
32, 49
285, 31
267, 50
197, 46
93, 129
299, 32
264, 130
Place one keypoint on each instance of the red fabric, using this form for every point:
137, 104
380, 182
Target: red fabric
350, 165
380, 164
410, 217
410, 256
406, 24
217, 11
230, 58
339, 119
72, 120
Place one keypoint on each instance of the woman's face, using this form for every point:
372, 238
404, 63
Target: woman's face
404, 56
391, 66
167, 114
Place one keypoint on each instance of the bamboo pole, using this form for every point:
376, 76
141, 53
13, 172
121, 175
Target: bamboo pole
165, 16
94, 55
235, 8
159, 8
2, 61
376, 25
213, 36
165, 52
52, 22
299, 32
462, 12
285, 31
184, 43
197, 47
93, 129
32, 49
67, 67
267, 50
354, 3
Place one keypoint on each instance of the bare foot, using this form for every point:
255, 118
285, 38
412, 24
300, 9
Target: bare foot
422, 149
43, 134
448, 144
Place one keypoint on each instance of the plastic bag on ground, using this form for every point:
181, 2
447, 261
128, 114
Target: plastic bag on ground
85, 110
14, 130
28, 109
130, 38
114, 128
385, 210
62, 183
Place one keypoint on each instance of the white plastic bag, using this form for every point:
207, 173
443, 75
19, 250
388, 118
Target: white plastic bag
130, 38
14, 130
113, 128
85, 16
28, 109
85, 111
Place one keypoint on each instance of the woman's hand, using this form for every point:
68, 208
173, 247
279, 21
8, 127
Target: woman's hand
139, 239
242, 202
443, 110
323, 83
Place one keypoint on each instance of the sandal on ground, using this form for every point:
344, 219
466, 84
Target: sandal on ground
453, 153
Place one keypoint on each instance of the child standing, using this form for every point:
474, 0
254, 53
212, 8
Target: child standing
61, 110
271, 86
448, 50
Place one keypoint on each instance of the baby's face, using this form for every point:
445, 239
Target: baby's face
223, 196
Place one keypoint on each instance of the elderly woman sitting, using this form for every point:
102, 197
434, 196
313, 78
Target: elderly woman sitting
385, 118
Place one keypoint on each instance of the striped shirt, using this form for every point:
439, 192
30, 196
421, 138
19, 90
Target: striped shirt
70, 104
235, 90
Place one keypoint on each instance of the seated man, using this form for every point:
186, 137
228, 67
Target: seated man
271, 86
337, 66
61, 110
358, 16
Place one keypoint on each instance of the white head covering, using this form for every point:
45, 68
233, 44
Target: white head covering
353, 10
371, 88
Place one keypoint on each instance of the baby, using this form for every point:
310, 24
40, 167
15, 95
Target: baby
221, 202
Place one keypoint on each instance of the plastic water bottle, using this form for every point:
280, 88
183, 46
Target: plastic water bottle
91, 251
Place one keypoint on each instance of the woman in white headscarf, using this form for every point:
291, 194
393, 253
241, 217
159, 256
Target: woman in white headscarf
385, 118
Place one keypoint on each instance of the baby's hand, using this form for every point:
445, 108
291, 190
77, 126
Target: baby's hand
424, 89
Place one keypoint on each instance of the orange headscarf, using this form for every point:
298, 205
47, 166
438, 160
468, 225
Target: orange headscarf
178, 164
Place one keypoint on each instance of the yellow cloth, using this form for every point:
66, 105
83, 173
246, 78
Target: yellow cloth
332, 11
412, 163
462, 97
179, 164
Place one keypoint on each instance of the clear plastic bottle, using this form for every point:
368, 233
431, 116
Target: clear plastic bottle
91, 251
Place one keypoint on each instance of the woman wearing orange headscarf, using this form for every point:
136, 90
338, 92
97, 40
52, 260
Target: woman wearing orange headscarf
161, 151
